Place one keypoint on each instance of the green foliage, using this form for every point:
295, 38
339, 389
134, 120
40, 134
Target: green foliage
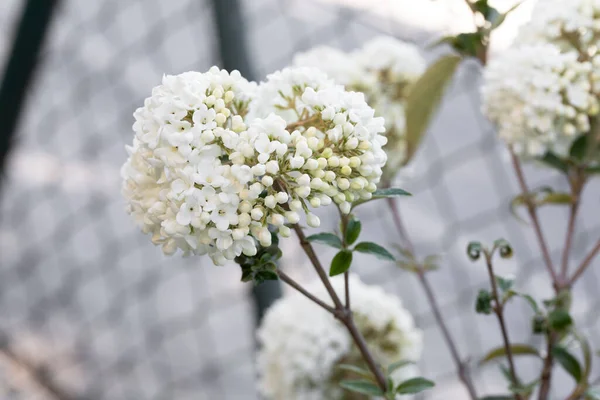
592, 394
262, 266
578, 150
374, 249
326, 238
357, 370
555, 162
516, 349
483, 304
397, 365
474, 250
341, 262
559, 320
362, 386
568, 362
424, 98
352, 230
539, 197
414, 385
383, 194
504, 284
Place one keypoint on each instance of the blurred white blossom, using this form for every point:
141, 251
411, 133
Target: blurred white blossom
383, 69
539, 98
301, 343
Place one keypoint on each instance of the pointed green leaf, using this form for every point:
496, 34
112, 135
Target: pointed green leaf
553, 161
424, 98
374, 249
357, 370
390, 192
361, 386
414, 385
340, 263
397, 365
326, 238
556, 198
504, 284
483, 303
568, 362
500, 20
352, 230
578, 148
517, 349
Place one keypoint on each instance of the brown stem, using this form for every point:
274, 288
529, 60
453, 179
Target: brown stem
342, 313
424, 281
39, 375
344, 222
347, 288
585, 263
499, 311
293, 125
287, 279
545, 378
577, 183
463, 373
535, 221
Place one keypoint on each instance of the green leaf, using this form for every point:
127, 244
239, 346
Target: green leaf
340, 263
352, 230
516, 349
424, 98
468, 43
592, 394
374, 249
357, 370
505, 284
559, 319
390, 192
326, 238
553, 161
586, 351
414, 385
361, 386
483, 304
500, 20
397, 365
556, 198
578, 148
568, 362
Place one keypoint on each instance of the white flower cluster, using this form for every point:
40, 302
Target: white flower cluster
544, 93
215, 161
301, 344
540, 99
572, 25
383, 69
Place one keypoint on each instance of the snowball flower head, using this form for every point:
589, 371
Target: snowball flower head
301, 344
540, 99
317, 141
383, 69
178, 184
572, 25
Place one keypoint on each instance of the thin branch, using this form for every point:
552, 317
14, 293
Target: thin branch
314, 259
39, 375
585, 263
287, 279
534, 219
424, 281
499, 311
347, 288
545, 380
341, 313
577, 183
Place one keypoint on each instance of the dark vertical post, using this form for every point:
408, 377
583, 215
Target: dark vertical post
20, 68
230, 32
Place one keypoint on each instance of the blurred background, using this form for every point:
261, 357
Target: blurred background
90, 309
